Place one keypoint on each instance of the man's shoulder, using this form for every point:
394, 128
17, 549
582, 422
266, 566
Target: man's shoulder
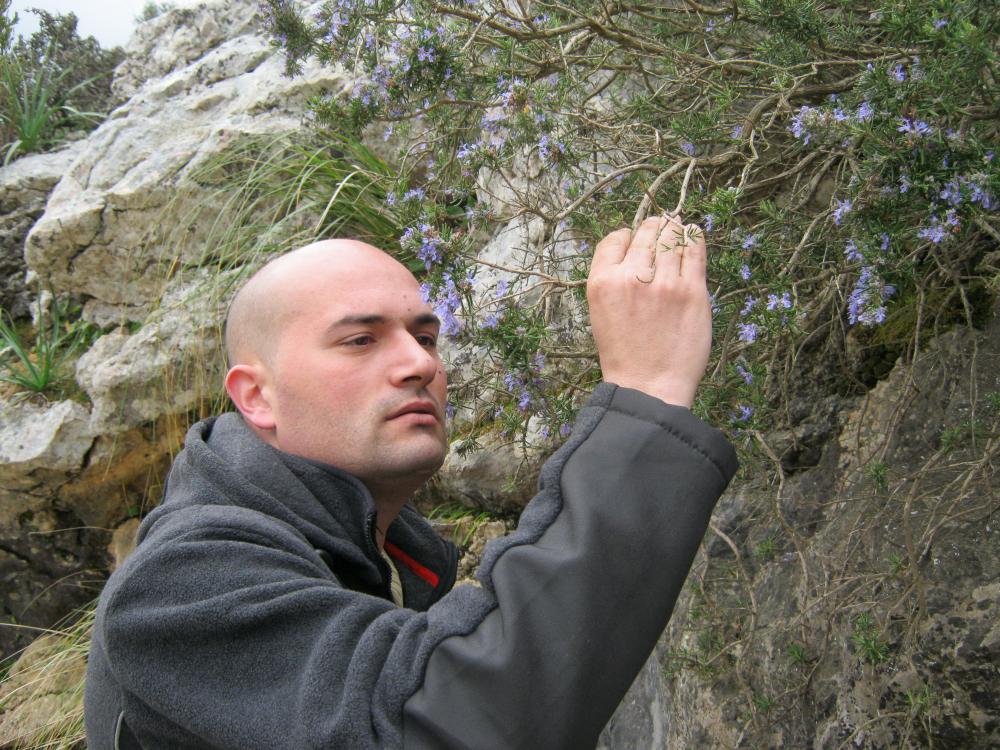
192, 522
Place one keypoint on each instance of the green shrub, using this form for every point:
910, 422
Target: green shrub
50, 84
152, 9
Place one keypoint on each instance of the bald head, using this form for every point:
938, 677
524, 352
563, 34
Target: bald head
280, 291
334, 357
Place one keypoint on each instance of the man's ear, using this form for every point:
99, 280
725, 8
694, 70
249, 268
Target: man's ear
246, 387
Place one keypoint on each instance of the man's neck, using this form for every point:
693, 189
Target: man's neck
383, 520
388, 504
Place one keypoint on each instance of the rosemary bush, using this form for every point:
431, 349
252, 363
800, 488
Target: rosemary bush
840, 156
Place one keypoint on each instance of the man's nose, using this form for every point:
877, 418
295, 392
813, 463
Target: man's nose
414, 362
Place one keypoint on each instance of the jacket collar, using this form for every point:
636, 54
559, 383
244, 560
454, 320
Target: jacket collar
224, 462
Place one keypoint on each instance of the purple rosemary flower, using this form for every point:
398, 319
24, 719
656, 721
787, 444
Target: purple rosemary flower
798, 126
852, 252
842, 208
748, 332
914, 127
936, 232
784, 301
866, 305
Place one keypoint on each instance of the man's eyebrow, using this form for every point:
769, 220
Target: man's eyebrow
424, 319
348, 320
427, 319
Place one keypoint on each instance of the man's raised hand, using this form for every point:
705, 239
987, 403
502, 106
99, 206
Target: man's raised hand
649, 308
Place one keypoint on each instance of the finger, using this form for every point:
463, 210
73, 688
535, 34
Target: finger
670, 248
670, 251
695, 259
611, 250
642, 249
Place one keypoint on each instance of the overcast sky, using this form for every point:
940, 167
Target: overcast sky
110, 21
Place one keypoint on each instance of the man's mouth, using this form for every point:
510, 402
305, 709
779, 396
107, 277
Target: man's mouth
417, 412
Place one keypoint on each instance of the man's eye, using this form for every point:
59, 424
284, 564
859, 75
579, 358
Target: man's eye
427, 340
360, 341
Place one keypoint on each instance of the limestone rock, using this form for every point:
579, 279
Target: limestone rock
472, 536
47, 564
640, 721
41, 439
106, 230
124, 474
526, 183
177, 37
169, 366
123, 542
25, 185
47, 557
868, 621
496, 478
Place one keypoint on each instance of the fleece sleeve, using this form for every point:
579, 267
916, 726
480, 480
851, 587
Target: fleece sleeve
236, 636
585, 586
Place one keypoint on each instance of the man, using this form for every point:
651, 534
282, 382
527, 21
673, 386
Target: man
284, 595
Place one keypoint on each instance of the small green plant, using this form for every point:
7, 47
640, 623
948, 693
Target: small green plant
468, 520
279, 193
762, 703
41, 367
796, 654
896, 563
708, 659
766, 549
919, 700
993, 402
877, 473
960, 435
868, 640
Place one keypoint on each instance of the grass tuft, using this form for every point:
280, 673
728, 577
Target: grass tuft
41, 694
42, 367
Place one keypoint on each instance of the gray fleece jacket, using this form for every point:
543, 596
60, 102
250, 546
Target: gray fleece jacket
254, 612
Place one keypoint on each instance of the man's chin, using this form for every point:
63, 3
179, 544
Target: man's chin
421, 460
